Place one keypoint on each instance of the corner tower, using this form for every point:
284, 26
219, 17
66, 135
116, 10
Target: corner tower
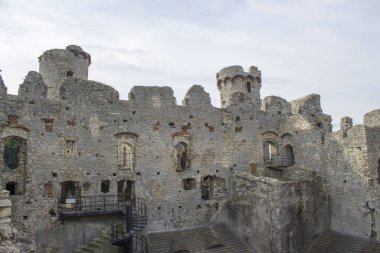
58, 64
233, 80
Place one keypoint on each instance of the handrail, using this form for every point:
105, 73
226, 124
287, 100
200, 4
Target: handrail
279, 160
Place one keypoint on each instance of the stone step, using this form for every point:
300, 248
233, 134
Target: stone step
332, 242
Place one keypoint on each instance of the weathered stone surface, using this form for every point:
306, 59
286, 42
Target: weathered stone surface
76, 137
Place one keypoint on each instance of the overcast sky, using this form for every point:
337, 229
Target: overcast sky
329, 47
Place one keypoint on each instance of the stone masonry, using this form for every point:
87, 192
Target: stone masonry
272, 170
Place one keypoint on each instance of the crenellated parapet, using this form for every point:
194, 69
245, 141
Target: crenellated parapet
372, 119
196, 96
234, 79
152, 96
57, 65
33, 86
276, 105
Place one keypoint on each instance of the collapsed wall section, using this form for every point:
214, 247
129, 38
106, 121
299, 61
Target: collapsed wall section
276, 216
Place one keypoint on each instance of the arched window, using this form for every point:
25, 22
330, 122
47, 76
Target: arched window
126, 155
69, 73
288, 156
270, 149
182, 156
13, 152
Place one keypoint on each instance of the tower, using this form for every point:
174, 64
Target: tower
233, 79
58, 64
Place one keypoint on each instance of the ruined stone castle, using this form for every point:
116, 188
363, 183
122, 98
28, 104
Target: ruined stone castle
256, 175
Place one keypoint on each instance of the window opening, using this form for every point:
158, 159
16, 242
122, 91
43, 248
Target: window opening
105, 186
249, 88
206, 187
189, 183
127, 156
288, 155
182, 156
12, 152
69, 73
270, 149
70, 190
11, 187
378, 171
70, 147
126, 189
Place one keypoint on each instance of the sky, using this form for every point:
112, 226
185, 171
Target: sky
328, 47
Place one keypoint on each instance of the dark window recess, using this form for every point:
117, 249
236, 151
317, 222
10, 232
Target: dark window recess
171, 124
206, 187
378, 171
52, 213
126, 189
237, 118
69, 73
249, 88
11, 187
24, 217
12, 152
183, 156
54, 174
69, 190
105, 186
189, 183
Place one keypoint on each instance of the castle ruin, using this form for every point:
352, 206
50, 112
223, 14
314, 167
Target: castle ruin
268, 173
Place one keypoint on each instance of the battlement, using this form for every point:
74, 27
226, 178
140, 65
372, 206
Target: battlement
276, 105
196, 96
237, 70
310, 104
233, 79
372, 118
153, 95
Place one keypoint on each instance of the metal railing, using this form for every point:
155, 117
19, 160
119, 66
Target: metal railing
279, 161
93, 205
126, 231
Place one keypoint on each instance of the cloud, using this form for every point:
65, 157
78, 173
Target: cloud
330, 47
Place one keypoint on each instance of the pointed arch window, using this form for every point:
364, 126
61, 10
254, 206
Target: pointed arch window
126, 155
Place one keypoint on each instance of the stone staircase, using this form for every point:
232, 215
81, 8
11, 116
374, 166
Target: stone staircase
332, 242
102, 244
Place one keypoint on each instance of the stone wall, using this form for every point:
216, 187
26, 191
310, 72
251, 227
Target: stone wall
6, 231
183, 158
276, 216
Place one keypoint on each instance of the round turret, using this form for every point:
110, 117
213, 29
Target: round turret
233, 80
58, 64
